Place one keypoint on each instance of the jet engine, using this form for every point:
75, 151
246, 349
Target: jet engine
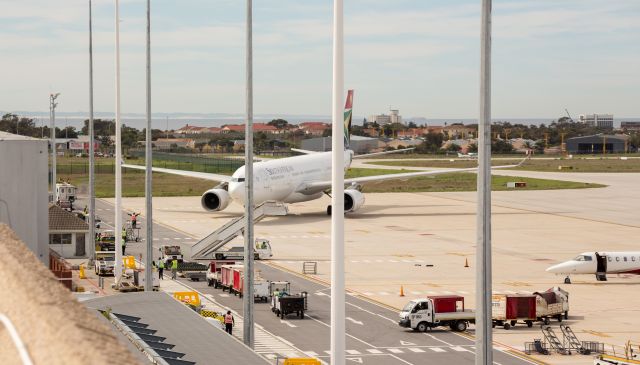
353, 200
214, 200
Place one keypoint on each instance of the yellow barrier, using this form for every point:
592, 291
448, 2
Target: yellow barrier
189, 297
82, 275
212, 314
129, 262
302, 361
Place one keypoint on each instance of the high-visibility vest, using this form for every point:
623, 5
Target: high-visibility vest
161, 264
174, 264
228, 319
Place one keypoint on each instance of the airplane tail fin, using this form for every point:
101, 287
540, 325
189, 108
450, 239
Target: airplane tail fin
348, 109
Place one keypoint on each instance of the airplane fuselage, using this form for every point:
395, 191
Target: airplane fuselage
622, 262
279, 179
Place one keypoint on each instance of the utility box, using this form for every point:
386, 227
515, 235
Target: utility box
516, 184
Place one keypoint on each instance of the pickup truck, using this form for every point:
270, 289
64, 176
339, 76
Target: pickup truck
446, 310
105, 264
170, 253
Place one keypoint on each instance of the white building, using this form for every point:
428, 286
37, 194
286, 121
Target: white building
24, 190
597, 120
383, 119
68, 234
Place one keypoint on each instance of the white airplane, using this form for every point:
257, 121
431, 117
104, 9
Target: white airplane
296, 179
600, 264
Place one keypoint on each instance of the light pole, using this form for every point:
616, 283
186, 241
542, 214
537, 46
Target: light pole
337, 193
484, 340
52, 110
118, 147
92, 193
247, 304
148, 193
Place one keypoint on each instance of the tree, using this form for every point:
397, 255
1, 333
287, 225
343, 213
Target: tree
67, 132
412, 125
453, 148
501, 146
279, 123
472, 148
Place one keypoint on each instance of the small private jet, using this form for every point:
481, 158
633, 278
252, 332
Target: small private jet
599, 264
470, 155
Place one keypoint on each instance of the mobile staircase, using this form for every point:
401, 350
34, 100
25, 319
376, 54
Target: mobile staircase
207, 246
571, 341
553, 340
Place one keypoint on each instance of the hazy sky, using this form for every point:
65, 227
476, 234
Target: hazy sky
421, 56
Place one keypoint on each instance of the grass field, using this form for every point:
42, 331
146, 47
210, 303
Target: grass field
173, 185
568, 165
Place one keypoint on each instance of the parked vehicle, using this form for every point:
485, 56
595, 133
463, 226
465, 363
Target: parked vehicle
169, 253
262, 251
434, 311
104, 264
284, 304
214, 275
553, 303
508, 310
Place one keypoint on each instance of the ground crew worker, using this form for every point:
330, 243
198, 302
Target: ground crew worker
229, 321
174, 269
124, 246
85, 210
160, 269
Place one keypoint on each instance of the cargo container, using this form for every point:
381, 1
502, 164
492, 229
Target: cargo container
508, 310
553, 303
226, 272
214, 275
238, 279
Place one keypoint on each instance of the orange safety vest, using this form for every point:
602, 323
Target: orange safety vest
228, 319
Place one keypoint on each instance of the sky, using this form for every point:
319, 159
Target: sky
419, 56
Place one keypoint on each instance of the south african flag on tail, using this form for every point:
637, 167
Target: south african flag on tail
348, 108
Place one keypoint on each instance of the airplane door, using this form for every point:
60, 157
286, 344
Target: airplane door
601, 261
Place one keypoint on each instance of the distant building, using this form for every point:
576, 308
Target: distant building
190, 129
257, 127
630, 126
597, 120
68, 234
314, 128
383, 119
358, 144
459, 130
597, 144
167, 143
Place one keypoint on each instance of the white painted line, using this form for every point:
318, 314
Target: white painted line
393, 260
462, 292
406, 261
416, 292
270, 356
367, 261
353, 352
328, 352
432, 293
355, 261
379, 260
383, 293
416, 349
224, 295
288, 323
374, 351
437, 339
305, 236
177, 238
354, 321
156, 239
166, 238
396, 351
437, 349
311, 353
459, 349
407, 343
368, 293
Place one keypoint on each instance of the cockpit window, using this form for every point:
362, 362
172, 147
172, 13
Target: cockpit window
583, 258
237, 179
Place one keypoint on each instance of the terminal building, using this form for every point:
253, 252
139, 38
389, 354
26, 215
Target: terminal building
597, 144
358, 144
383, 119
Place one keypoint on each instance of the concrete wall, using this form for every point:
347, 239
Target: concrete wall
24, 191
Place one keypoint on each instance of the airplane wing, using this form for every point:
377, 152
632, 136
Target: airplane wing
196, 174
306, 152
323, 185
383, 153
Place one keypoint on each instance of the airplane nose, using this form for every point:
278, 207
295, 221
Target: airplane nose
562, 268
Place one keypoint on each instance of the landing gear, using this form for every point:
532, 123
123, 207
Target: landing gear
567, 280
329, 210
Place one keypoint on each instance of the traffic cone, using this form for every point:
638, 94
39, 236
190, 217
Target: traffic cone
466, 262
401, 291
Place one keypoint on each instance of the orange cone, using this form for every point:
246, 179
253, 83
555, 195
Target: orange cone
401, 291
466, 262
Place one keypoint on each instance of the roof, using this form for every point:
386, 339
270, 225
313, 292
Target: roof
191, 334
61, 220
598, 137
57, 330
5, 136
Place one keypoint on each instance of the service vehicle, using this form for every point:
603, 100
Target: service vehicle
66, 194
262, 251
105, 263
509, 309
438, 310
553, 303
284, 304
106, 241
169, 253
226, 276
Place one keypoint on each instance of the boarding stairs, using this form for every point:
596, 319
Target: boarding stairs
234, 228
571, 340
553, 340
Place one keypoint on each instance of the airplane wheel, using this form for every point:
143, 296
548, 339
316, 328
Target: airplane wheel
328, 209
546, 321
567, 280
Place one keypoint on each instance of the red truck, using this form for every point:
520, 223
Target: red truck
434, 311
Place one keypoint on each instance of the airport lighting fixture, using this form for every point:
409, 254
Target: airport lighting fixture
337, 193
118, 147
148, 192
484, 340
247, 301
52, 123
92, 192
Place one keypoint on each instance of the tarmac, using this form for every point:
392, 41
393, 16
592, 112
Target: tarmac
420, 241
